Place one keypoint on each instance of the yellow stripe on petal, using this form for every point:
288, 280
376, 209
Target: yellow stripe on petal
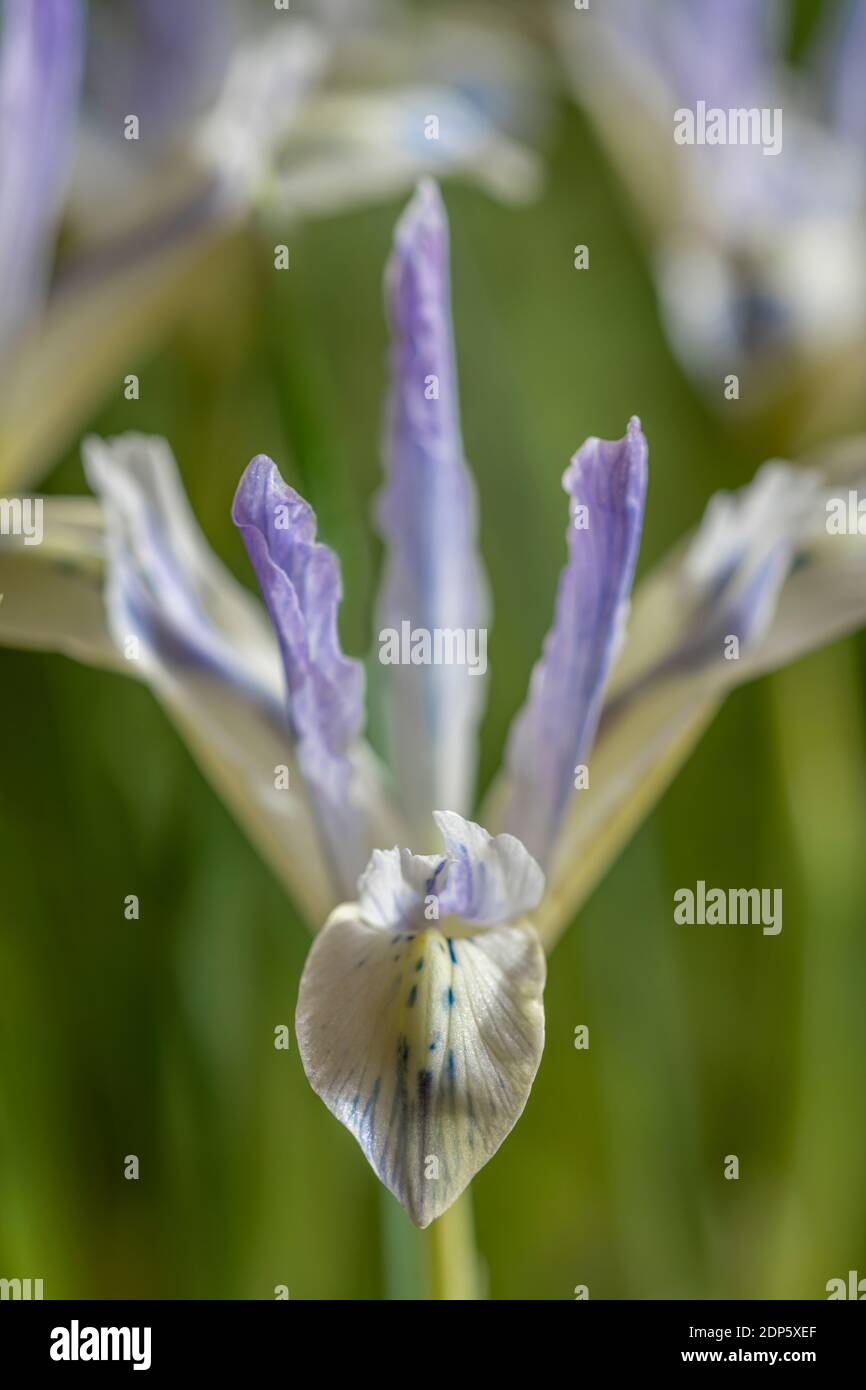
423, 1045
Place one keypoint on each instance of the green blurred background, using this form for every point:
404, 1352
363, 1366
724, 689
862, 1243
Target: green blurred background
156, 1037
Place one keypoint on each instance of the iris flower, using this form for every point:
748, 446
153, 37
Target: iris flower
240, 121
758, 258
420, 1017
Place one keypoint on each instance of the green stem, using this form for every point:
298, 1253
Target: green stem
455, 1269
403, 1253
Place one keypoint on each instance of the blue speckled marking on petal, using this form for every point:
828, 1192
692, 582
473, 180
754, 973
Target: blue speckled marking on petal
431, 882
440, 1061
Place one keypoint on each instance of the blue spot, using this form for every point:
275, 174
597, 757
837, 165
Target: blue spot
451, 1060
419, 964
451, 950
448, 997
431, 882
413, 994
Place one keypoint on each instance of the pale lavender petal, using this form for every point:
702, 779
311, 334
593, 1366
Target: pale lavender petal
554, 731
729, 580
484, 879
393, 887
491, 878
41, 56
300, 582
433, 576
166, 588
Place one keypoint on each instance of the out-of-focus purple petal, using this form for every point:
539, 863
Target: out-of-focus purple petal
41, 56
300, 582
552, 734
847, 85
427, 514
721, 54
741, 555
160, 60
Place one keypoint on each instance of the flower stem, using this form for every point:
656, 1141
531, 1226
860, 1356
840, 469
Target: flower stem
455, 1269
404, 1254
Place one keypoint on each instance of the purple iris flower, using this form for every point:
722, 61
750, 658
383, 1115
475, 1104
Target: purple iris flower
420, 1016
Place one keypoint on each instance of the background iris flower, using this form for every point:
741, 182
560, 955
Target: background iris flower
419, 1013
243, 114
758, 259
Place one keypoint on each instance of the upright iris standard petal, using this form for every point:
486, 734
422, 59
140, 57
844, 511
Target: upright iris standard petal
178, 620
433, 578
300, 582
761, 567
41, 57
422, 1036
606, 483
